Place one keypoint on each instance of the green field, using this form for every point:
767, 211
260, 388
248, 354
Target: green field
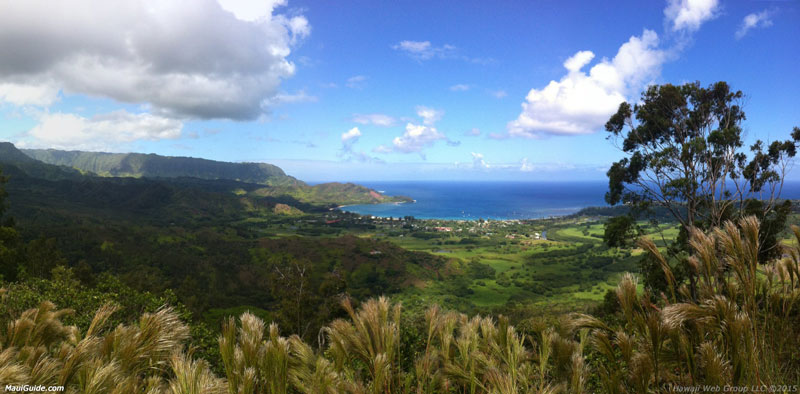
571, 268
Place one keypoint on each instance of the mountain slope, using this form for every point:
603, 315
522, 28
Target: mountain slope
156, 166
275, 180
332, 193
38, 189
21, 163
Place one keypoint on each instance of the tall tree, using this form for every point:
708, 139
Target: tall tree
684, 151
9, 239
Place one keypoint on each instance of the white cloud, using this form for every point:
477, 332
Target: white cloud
248, 10
414, 46
578, 60
28, 94
374, 119
102, 131
460, 87
429, 115
526, 165
754, 20
356, 82
688, 15
423, 50
416, 138
201, 61
581, 102
351, 135
349, 138
293, 98
478, 161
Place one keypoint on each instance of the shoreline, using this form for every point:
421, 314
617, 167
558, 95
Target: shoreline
377, 203
459, 219
572, 211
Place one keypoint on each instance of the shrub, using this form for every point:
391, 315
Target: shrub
736, 326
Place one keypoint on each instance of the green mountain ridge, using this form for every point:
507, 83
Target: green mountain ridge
22, 163
156, 166
275, 182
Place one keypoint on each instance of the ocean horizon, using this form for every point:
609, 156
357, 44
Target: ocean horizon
495, 200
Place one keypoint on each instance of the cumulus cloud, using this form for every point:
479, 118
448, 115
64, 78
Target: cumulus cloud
578, 60
754, 20
351, 135
460, 87
429, 115
102, 131
28, 94
416, 138
478, 161
688, 15
374, 119
201, 61
349, 138
248, 10
581, 102
526, 166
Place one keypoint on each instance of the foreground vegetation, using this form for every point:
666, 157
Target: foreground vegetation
738, 330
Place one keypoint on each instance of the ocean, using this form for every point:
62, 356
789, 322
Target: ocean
458, 200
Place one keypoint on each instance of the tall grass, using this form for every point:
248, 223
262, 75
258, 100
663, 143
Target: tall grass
738, 328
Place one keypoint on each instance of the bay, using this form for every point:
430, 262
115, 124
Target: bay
459, 200
464, 200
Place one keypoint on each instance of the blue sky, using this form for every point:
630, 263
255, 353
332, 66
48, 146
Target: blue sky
368, 90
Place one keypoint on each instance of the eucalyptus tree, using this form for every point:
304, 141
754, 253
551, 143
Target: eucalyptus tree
685, 152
